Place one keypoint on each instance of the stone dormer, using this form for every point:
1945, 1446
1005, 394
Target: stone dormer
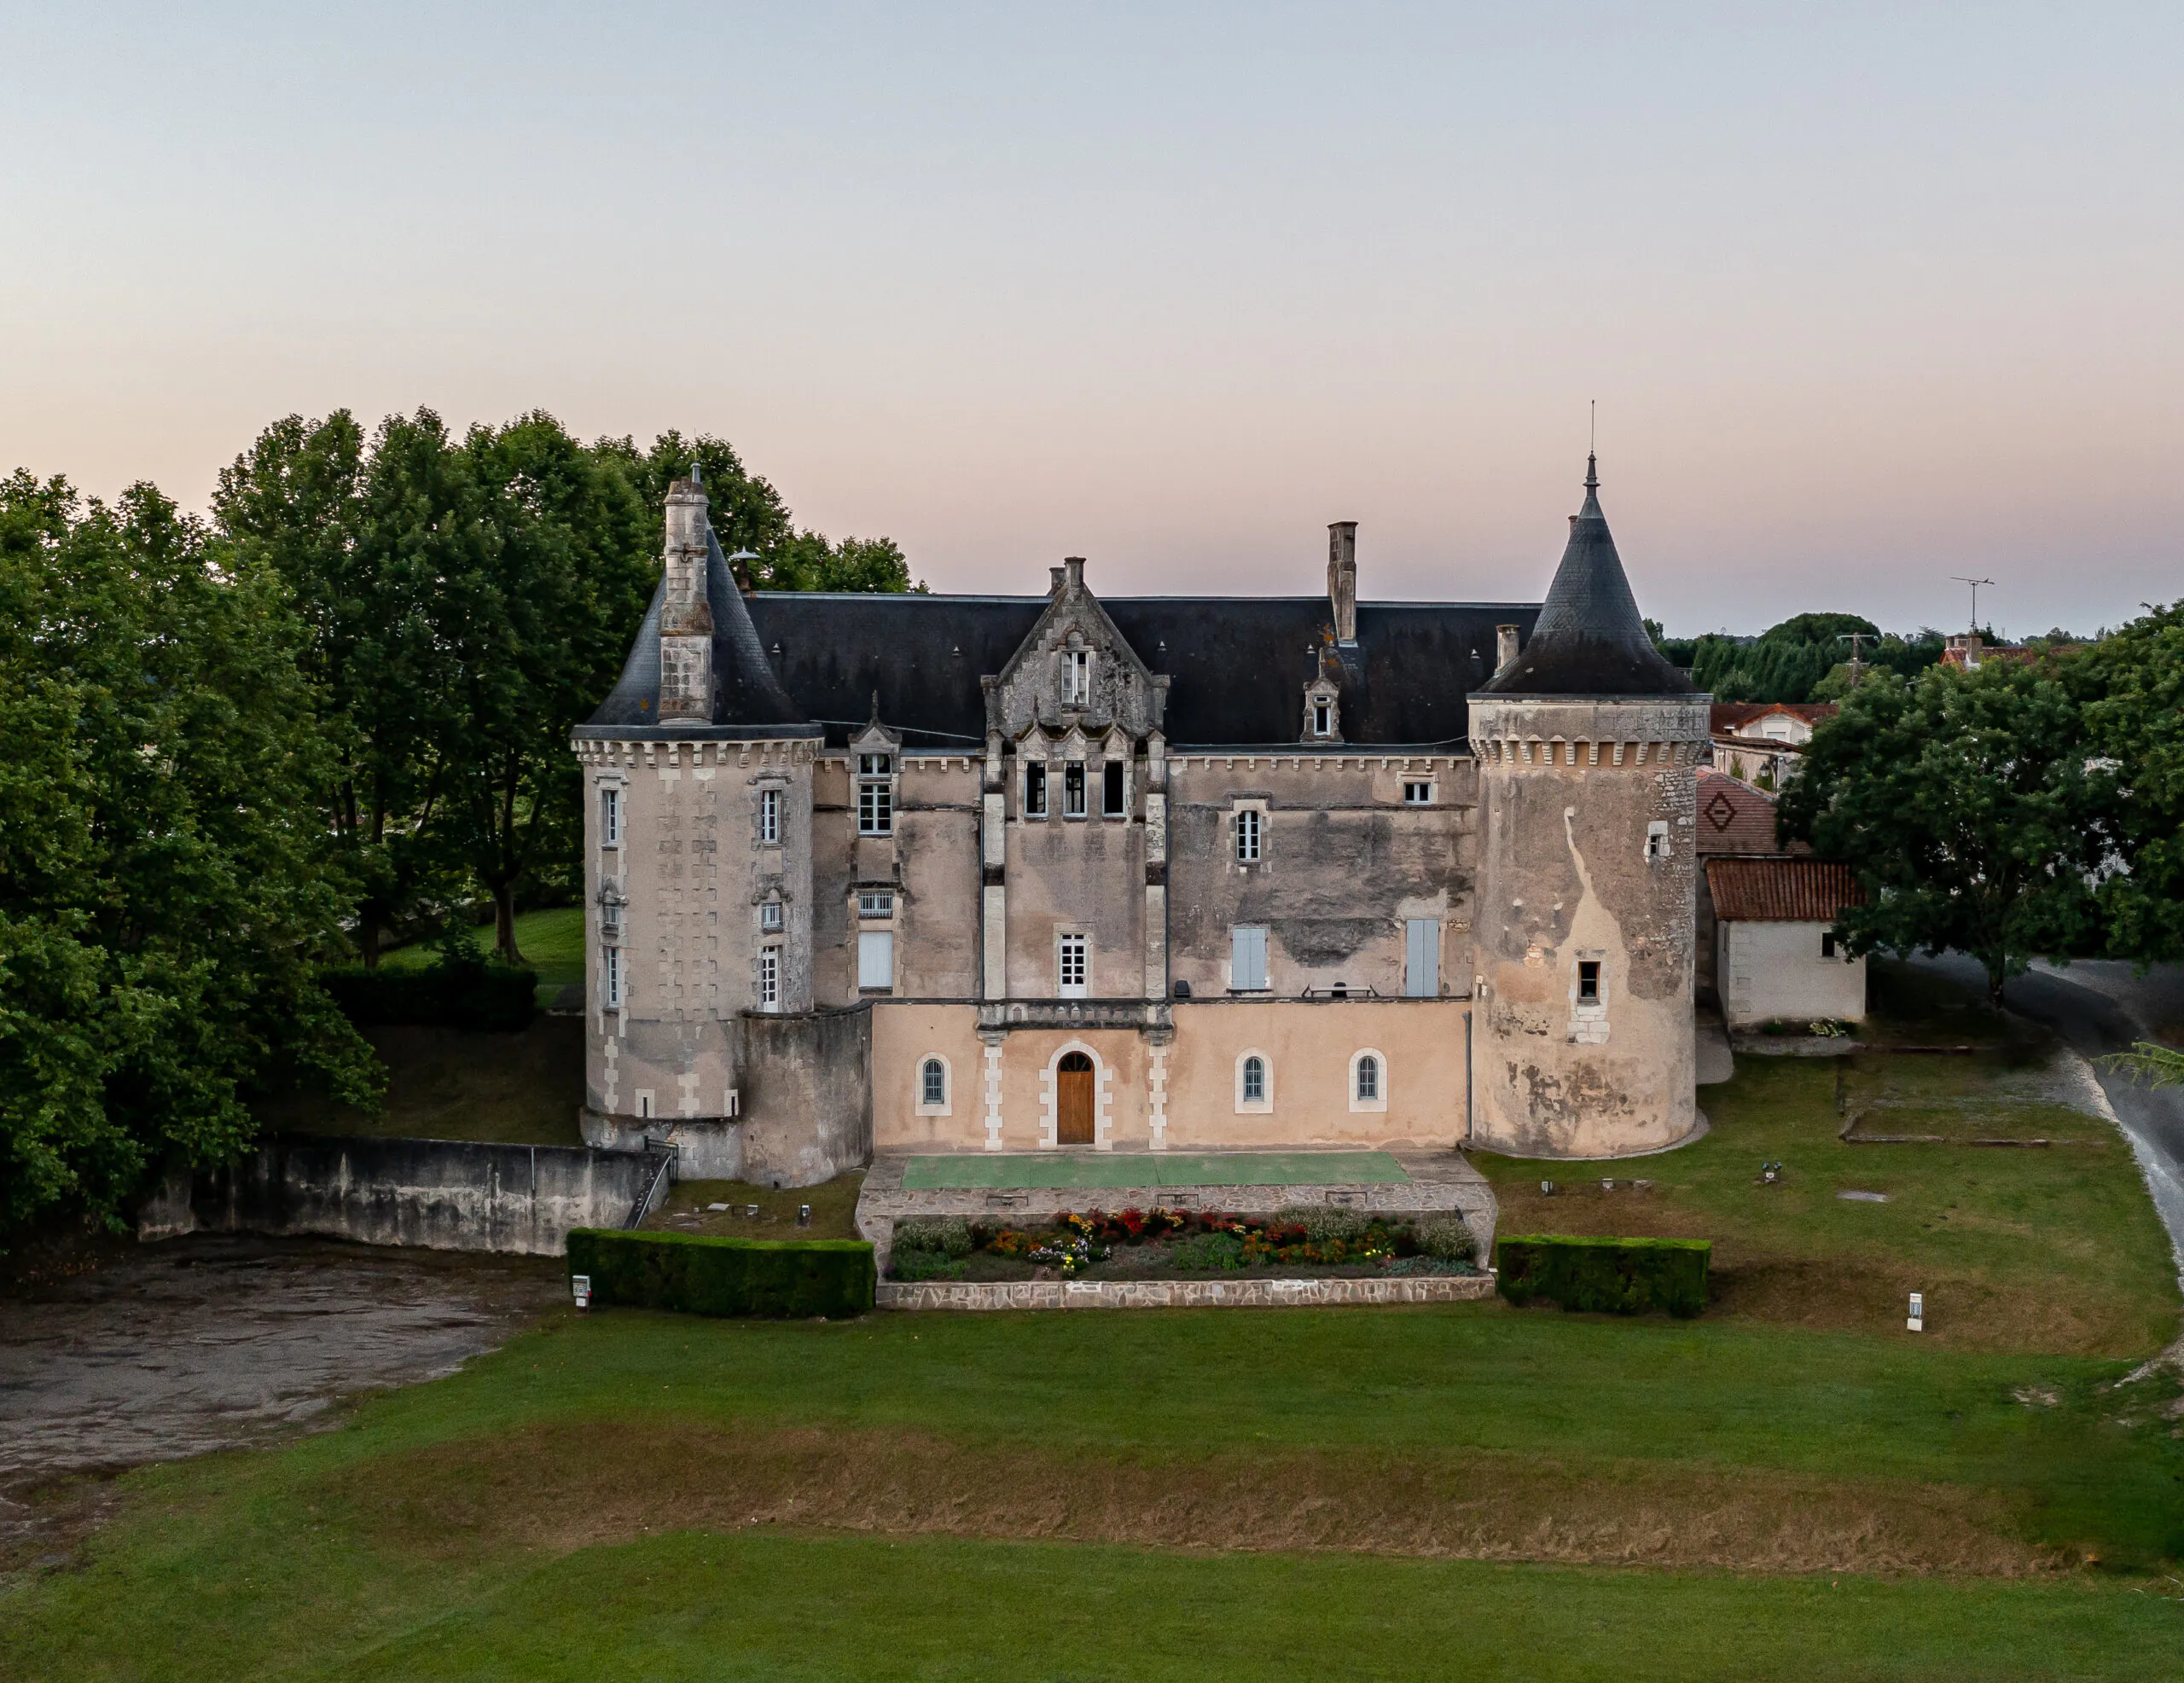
1075, 672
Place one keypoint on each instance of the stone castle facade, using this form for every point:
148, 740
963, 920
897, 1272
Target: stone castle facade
1155, 873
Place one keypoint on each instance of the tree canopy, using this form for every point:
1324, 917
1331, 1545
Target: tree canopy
1793, 661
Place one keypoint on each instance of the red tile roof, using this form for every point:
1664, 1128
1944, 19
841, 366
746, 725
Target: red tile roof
1733, 817
1724, 717
1782, 890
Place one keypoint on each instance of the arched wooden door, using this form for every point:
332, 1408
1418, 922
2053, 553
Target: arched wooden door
1073, 1099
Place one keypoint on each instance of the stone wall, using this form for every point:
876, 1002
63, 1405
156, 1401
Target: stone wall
807, 1096
1182, 1294
1771, 971
441, 1194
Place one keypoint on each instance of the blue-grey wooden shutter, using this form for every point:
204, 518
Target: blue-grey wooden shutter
1421, 958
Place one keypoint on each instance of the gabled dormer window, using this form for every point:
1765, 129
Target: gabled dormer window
875, 795
1076, 676
1322, 715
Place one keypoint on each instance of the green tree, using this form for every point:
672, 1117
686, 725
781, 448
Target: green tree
2131, 684
1967, 805
165, 890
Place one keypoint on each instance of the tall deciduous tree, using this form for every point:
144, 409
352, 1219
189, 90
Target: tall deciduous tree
165, 892
1969, 807
2133, 685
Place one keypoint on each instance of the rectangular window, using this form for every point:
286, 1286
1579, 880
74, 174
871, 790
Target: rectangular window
1034, 789
1657, 839
876, 796
1322, 718
1247, 835
610, 914
770, 978
1072, 790
875, 903
1421, 958
1114, 799
1246, 958
610, 971
769, 917
610, 818
1075, 967
1418, 794
1076, 676
1827, 944
769, 818
1589, 982
876, 959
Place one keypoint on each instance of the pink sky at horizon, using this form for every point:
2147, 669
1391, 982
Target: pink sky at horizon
1868, 297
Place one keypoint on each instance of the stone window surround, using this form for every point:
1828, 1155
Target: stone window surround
1374, 1105
1589, 1019
1077, 931
1096, 759
1238, 806
1319, 694
613, 818
946, 1107
1103, 1099
1263, 1106
769, 789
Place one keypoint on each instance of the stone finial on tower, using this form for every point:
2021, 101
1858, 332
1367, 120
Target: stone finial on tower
1505, 647
1342, 579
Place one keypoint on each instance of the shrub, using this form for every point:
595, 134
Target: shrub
1326, 1226
1209, 1253
1619, 1276
1429, 1265
458, 995
792, 1278
915, 1265
942, 1235
1445, 1238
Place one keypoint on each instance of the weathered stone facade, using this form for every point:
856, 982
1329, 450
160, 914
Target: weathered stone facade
1132, 874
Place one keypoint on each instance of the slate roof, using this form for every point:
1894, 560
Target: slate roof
1238, 665
1733, 817
1782, 890
1590, 640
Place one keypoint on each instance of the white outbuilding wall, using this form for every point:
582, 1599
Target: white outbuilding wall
1767, 971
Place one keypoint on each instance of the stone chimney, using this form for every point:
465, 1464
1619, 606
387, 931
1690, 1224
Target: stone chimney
1505, 647
686, 616
1342, 579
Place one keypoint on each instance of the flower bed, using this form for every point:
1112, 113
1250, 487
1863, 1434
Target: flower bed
1182, 1244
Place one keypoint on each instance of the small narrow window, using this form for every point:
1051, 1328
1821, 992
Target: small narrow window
1418, 794
875, 795
1076, 676
1114, 799
1368, 1077
1323, 717
1657, 840
610, 818
875, 903
769, 818
770, 978
1589, 982
932, 1082
1248, 958
1247, 835
1034, 789
876, 960
1074, 966
610, 914
1827, 944
769, 917
1072, 790
609, 970
644, 1102
1255, 1081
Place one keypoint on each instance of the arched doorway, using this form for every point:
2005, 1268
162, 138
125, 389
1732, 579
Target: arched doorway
1073, 1099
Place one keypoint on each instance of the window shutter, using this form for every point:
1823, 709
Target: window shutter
1246, 957
1421, 958
875, 958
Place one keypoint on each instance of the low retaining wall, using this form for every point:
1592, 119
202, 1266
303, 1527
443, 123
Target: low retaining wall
441, 1194
1180, 1294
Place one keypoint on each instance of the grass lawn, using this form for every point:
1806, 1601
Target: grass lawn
1028, 1496
524, 1088
833, 1208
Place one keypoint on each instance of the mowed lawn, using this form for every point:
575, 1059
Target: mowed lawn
1192, 1494
550, 940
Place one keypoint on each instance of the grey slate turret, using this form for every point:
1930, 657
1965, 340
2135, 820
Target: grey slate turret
1589, 639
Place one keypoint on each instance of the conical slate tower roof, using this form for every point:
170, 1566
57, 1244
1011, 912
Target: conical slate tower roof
747, 698
1589, 639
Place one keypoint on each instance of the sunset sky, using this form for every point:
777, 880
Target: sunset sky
1867, 296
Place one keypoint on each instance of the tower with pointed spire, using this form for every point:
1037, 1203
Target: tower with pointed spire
1587, 741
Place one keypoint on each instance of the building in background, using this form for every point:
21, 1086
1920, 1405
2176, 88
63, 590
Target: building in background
1777, 958
1760, 742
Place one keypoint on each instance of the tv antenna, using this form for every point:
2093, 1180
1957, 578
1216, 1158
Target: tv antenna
1975, 584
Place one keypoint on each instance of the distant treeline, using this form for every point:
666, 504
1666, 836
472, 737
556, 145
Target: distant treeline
1806, 658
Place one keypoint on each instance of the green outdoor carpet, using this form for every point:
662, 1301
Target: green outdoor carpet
1054, 1170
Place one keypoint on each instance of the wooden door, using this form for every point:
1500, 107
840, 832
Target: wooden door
1073, 1096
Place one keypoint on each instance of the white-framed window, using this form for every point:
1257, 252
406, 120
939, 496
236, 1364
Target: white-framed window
1657, 839
1368, 1079
1035, 789
1417, 794
1421, 958
769, 917
610, 818
1077, 676
875, 795
1249, 822
1114, 790
770, 978
1072, 789
610, 976
1588, 985
875, 903
1254, 1083
876, 959
769, 818
610, 914
1073, 964
1322, 716
932, 1085
1248, 958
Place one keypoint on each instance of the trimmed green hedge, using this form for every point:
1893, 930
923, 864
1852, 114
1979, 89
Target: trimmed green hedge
459, 997
1615, 1276
794, 1279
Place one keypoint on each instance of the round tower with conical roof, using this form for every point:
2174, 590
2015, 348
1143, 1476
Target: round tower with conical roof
1588, 744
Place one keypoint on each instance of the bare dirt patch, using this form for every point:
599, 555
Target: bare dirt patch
558, 1487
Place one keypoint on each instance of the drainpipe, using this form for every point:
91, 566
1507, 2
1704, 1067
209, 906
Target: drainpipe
1467, 1076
